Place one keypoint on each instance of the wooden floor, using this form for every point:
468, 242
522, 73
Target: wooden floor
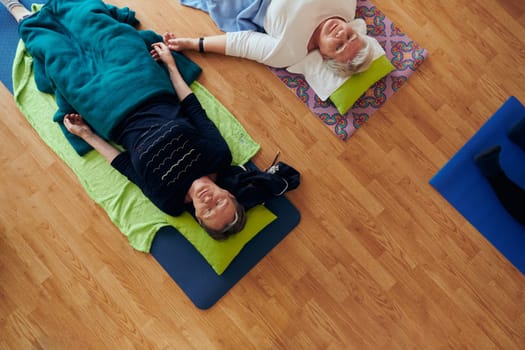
379, 260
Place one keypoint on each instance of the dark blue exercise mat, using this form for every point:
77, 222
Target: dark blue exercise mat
194, 275
10, 38
463, 185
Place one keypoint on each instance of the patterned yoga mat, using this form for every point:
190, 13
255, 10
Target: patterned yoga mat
404, 53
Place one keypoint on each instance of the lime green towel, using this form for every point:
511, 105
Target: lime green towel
132, 213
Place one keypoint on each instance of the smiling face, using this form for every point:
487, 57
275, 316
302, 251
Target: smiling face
214, 206
338, 41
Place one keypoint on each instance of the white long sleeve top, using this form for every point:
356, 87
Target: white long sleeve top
288, 24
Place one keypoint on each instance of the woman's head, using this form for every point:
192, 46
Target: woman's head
216, 209
346, 51
234, 226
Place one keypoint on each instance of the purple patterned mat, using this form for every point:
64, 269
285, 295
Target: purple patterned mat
405, 54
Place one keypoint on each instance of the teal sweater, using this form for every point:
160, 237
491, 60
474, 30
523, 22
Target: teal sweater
90, 56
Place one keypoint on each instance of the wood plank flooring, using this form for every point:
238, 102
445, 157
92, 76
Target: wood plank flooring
379, 261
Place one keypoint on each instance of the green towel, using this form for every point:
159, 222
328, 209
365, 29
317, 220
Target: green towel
126, 206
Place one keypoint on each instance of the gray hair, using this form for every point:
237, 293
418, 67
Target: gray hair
235, 226
359, 63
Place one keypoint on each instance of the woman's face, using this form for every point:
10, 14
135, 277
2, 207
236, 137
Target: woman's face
214, 206
338, 41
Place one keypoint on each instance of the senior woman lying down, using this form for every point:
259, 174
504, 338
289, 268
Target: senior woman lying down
111, 85
280, 33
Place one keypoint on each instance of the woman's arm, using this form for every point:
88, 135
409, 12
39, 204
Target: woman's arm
77, 126
119, 160
247, 44
214, 44
162, 52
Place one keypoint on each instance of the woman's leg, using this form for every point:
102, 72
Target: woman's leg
511, 196
16, 9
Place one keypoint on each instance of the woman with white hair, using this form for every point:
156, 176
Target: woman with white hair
281, 33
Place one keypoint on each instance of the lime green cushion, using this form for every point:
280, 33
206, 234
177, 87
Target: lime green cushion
220, 254
346, 95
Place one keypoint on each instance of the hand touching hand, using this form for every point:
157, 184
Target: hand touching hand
180, 44
161, 52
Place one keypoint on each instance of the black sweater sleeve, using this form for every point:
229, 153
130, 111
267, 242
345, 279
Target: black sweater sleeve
192, 109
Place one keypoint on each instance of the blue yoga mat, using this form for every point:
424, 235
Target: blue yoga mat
195, 276
175, 254
463, 185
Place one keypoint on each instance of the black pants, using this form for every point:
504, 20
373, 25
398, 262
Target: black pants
511, 196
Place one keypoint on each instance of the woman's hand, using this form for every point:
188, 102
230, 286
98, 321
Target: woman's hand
180, 44
161, 52
76, 125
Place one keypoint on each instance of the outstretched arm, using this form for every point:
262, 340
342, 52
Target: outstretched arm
247, 44
162, 52
77, 126
214, 44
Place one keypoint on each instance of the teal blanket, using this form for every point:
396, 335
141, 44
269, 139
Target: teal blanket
91, 57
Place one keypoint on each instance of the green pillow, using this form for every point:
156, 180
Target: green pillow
345, 96
219, 254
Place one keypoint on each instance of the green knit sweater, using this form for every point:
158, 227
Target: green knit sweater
91, 57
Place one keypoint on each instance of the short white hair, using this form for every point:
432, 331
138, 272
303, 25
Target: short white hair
359, 63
